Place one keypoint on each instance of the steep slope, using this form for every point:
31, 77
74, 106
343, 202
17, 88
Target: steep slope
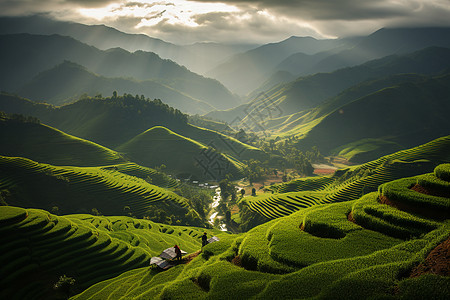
352, 250
49, 145
244, 72
408, 114
181, 155
114, 121
39, 247
68, 81
23, 56
82, 189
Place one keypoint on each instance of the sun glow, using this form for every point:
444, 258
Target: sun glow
154, 12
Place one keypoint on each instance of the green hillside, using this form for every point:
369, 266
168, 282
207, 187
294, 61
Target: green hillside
181, 155
360, 249
349, 184
116, 121
409, 113
81, 189
68, 81
38, 247
45, 144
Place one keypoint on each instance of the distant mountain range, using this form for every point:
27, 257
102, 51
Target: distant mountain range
198, 57
245, 72
68, 81
308, 92
23, 56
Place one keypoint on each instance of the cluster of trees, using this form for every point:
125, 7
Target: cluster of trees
170, 213
147, 108
19, 118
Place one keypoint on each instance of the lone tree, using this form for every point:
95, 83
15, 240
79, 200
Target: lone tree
64, 285
253, 192
242, 192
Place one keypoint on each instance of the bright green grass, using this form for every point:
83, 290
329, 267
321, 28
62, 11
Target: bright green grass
49, 145
351, 184
361, 150
180, 154
88, 248
75, 188
315, 253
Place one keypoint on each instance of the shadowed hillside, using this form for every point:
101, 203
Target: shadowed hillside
409, 114
49, 145
115, 121
39, 247
83, 189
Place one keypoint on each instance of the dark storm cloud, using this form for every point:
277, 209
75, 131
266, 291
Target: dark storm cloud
340, 9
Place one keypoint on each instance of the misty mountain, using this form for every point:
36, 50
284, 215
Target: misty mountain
198, 57
23, 56
244, 72
310, 91
68, 81
381, 43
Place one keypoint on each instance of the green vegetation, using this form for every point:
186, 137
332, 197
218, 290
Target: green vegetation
123, 121
107, 190
348, 184
48, 145
38, 248
349, 250
159, 145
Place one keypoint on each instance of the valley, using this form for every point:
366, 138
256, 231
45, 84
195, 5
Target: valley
320, 166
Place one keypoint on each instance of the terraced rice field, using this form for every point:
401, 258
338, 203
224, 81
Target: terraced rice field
351, 184
108, 189
37, 247
356, 249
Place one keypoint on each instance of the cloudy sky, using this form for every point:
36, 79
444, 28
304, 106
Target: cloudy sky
237, 21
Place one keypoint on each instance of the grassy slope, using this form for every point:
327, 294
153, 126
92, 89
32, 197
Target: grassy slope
180, 154
116, 122
409, 114
49, 145
314, 253
38, 247
79, 189
350, 184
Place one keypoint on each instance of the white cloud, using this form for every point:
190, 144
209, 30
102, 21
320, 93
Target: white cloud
186, 21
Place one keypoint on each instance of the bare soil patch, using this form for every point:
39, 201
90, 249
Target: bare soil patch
350, 218
421, 211
437, 262
237, 261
